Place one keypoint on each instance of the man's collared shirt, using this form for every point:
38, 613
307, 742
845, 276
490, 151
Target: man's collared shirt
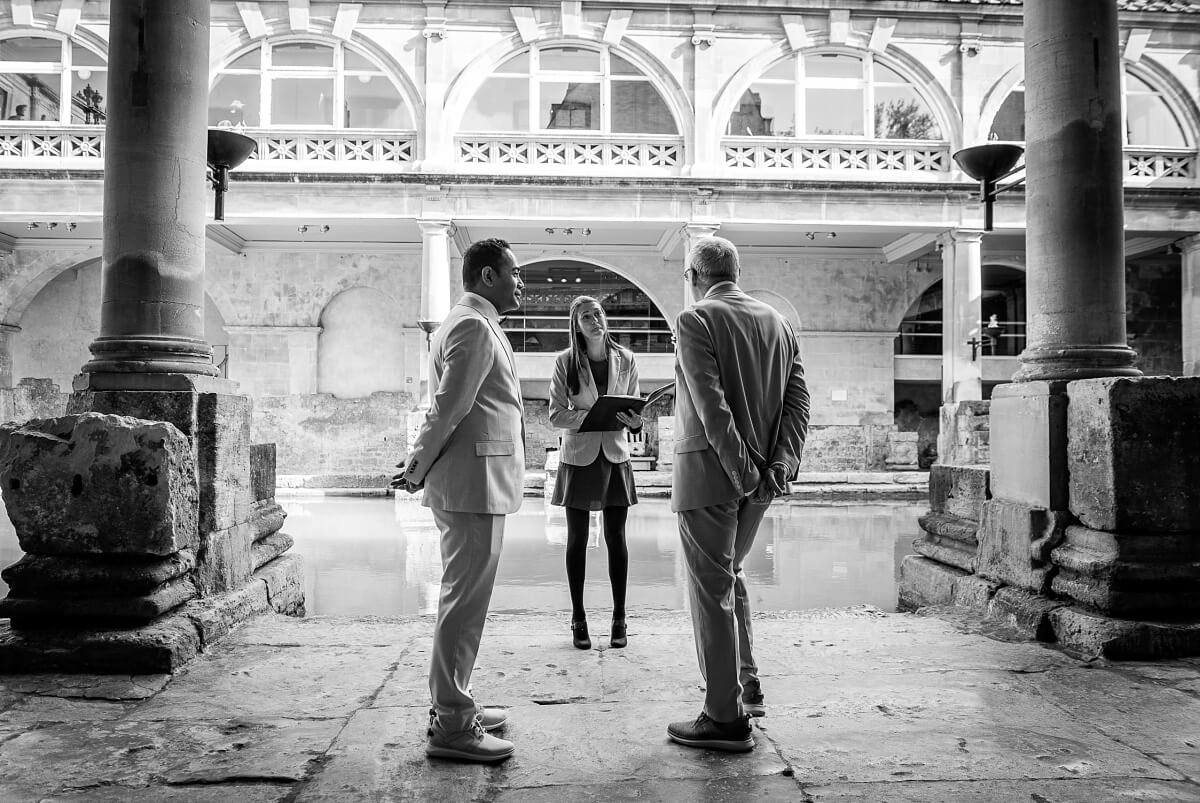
489, 309
720, 286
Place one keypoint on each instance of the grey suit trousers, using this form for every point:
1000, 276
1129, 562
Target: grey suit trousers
716, 540
470, 555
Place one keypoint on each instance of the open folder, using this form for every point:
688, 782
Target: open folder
603, 415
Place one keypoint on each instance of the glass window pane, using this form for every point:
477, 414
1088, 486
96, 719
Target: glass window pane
638, 108
87, 96
573, 105
622, 67
247, 61
886, 75
31, 48
501, 104
765, 110
570, 58
517, 65
234, 102
354, 61
785, 69
1151, 122
1135, 84
1010, 120
302, 54
836, 112
31, 96
373, 102
82, 57
901, 114
833, 65
302, 101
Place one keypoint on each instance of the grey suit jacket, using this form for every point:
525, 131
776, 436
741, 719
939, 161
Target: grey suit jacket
741, 400
567, 410
470, 452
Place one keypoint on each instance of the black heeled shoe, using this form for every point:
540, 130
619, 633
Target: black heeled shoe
579, 635
619, 634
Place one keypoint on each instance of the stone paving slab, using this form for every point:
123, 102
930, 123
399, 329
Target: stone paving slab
863, 705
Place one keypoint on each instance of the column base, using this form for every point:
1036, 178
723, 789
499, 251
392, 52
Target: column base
1067, 363
162, 646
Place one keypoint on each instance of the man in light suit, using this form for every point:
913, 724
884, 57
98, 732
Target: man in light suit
741, 417
470, 458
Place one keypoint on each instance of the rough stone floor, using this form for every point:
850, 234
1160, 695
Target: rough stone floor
864, 706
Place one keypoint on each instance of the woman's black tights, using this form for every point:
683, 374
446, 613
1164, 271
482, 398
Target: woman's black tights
618, 557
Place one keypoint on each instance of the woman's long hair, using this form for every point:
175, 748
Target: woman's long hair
578, 343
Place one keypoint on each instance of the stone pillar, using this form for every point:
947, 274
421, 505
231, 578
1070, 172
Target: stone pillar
705, 77
962, 289
691, 233
7, 331
439, 144
435, 303
1074, 240
1190, 306
155, 192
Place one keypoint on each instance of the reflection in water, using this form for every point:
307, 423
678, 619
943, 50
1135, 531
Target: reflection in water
379, 556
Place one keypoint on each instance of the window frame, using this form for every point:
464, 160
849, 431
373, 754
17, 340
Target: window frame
865, 84
604, 76
267, 72
64, 69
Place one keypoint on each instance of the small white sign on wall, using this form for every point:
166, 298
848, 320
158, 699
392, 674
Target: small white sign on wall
838, 395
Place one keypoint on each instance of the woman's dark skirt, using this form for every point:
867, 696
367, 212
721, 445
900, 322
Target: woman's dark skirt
594, 487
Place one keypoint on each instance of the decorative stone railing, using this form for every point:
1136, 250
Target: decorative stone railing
571, 153
888, 156
47, 146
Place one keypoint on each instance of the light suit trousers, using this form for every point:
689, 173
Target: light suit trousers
471, 545
716, 540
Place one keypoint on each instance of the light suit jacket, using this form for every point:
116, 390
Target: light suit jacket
470, 452
741, 400
567, 410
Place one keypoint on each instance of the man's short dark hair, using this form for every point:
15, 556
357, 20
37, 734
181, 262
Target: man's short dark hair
480, 255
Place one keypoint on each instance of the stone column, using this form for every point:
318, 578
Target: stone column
705, 148
435, 269
155, 146
691, 233
962, 289
1074, 165
1190, 307
439, 145
7, 330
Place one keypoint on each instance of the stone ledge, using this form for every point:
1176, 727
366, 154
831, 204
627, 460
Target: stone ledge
1089, 634
161, 646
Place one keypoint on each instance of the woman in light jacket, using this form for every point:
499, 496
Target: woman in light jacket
594, 471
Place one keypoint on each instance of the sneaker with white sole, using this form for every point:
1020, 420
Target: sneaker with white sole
754, 705
705, 732
472, 744
492, 719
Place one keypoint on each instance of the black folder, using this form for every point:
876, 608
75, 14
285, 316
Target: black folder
603, 415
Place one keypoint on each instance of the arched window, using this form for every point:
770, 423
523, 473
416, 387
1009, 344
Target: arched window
1150, 119
1001, 307
833, 94
541, 324
306, 84
44, 79
572, 89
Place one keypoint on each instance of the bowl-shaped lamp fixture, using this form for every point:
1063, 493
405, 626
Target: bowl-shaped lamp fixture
226, 150
987, 164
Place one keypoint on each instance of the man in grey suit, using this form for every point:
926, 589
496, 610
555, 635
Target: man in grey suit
741, 417
470, 458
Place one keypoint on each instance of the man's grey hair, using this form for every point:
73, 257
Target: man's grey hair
715, 258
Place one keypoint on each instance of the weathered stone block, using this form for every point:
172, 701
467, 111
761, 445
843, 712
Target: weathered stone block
1130, 574
225, 559
1030, 614
1092, 634
1029, 444
266, 517
1134, 455
974, 592
948, 539
100, 484
262, 471
73, 576
1015, 542
160, 647
40, 612
284, 577
267, 549
959, 490
925, 582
